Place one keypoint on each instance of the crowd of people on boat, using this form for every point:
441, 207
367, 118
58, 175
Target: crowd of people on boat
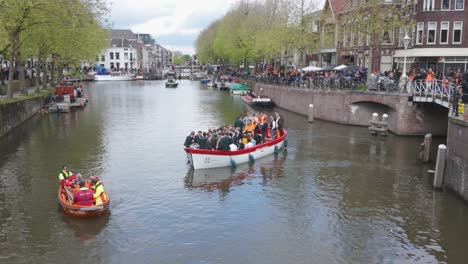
247, 132
88, 193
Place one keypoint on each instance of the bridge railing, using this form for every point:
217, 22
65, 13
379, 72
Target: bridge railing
432, 91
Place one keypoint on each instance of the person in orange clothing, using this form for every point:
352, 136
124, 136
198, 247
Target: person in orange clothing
249, 127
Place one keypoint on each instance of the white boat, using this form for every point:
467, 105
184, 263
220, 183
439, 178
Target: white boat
211, 84
114, 76
205, 159
252, 99
171, 84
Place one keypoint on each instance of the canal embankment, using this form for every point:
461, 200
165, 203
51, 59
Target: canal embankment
13, 112
456, 171
356, 108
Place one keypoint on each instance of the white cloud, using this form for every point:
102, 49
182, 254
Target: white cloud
182, 19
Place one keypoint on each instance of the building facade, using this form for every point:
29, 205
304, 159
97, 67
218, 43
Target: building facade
439, 37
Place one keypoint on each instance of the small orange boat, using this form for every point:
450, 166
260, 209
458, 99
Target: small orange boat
65, 197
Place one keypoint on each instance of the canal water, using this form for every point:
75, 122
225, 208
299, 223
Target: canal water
338, 195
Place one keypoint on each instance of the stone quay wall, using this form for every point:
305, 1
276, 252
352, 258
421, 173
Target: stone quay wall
15, 113
456, 170
356, 107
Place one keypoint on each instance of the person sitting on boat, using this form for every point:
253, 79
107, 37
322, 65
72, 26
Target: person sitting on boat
66, 177
98, 187
249, 144
84, 196
250, 127
190, 139
239, 123
197, 137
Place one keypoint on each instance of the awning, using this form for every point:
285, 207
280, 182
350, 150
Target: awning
432, 52
311, 68
339, 68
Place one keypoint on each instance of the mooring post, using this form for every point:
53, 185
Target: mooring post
384, 125
311, 113
427, 147
372, 126
440, 166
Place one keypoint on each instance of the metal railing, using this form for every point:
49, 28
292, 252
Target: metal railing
436, 91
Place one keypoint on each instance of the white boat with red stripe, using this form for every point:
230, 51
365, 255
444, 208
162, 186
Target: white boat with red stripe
205, 159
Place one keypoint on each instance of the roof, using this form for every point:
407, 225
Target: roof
122, 34
119, 43
337, 6
238, 87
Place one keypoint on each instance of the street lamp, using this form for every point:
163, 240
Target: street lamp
406, 41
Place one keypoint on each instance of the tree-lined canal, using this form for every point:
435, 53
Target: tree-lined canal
338, 195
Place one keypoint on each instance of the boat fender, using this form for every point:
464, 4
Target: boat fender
233, 163
251, 158
285, 143
276, 149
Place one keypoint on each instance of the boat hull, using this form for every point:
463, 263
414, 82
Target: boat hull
240, 92
171, 85
206, 159
257, 101
82, 211
113, 78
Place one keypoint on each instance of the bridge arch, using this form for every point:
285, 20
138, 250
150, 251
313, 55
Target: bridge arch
361, 111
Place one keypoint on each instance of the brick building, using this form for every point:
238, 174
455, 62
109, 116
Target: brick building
439, 37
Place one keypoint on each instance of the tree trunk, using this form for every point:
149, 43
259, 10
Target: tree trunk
38, 74
11, 73
2, 74
60, 74
52, 66
21, 75
44, 74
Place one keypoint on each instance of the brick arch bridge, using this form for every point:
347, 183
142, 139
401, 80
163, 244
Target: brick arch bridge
356, 108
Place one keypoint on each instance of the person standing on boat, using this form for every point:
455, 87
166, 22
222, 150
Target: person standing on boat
279, 123
66, 177
84, 196
272, 128
239, 123
98, 187
189, 139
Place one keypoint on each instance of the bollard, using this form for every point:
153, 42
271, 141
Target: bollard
372, 127
384, 125
311, 113
427, 147
440, 166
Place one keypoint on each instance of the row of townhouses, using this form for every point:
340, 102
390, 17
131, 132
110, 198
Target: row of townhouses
130, 51
438, 37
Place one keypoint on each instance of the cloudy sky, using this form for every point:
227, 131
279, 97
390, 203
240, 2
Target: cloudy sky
173, 23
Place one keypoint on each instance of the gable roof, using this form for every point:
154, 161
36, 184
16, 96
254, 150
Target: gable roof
122, 34
337, 6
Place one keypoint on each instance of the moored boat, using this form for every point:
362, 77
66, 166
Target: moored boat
238, 89
171, 84
113, 76
222, 86
252, 99
65, 197
205, 159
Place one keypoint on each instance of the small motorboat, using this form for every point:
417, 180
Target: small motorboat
222, 86
171, 83
138, 77
212, 84
253, 99
238, 89
65, 197
205, 159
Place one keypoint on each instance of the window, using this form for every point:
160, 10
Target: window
431, 32
459, 4
117, 56
131, 56
444, 29
457, 32
111, 55
126, 56
428, 5
445, 5
103, 57
419, 33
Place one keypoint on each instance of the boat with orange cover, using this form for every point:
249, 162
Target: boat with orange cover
65, 197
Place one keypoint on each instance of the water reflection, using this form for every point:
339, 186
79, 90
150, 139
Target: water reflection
85, 228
